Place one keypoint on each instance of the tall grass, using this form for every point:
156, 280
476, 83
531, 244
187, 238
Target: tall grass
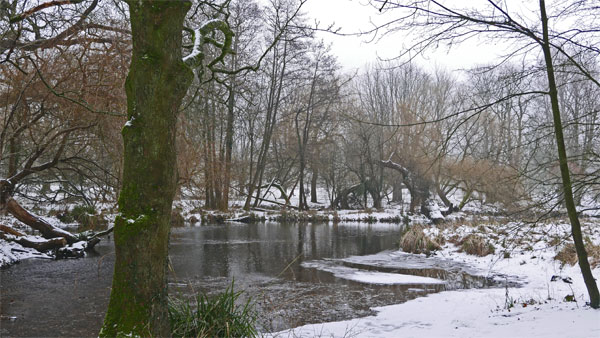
216, 316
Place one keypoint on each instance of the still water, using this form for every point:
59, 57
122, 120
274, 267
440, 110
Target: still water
69, 297
265, 260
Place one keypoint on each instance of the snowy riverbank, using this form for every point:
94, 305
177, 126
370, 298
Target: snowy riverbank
535, 309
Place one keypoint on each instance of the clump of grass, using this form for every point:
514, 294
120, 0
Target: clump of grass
476, 245
216, 316
568, 254
370, 219
415, 241
254, 218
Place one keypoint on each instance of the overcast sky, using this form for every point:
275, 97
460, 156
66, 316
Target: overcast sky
353, 52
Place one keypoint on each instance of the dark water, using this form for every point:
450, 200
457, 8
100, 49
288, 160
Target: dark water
264, 260
69, 297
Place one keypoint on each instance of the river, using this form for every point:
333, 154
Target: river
69, 297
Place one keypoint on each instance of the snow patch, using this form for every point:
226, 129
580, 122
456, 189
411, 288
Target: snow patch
12, 253
129, 123
369, 277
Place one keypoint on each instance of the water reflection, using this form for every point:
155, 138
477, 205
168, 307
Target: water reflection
271, 249
266, 261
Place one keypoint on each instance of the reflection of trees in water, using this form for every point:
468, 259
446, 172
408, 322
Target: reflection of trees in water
234, 251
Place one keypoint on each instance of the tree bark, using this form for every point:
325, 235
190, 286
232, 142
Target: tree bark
397, 191
584, 265
156, 84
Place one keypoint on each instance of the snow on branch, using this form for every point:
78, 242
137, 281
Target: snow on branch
201, 38
393, 165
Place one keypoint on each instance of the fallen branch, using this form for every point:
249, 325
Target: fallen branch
102, 233
95, 239
242, 219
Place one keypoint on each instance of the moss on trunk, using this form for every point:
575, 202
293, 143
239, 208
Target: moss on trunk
157, 82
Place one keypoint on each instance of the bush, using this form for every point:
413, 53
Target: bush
415, 241
63, 216
86, 216
476, 245
217, 316
568, 254
80, 212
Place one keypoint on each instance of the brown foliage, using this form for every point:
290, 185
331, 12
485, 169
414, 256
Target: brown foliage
568, 254
476, 245
415, 241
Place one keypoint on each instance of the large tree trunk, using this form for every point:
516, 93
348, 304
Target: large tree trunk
584, 265
417, 186
157, 82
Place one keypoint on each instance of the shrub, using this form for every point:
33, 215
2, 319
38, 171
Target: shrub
415, 241
86, 216
80, 212
476, 245
217, 316
568, 254
63, 216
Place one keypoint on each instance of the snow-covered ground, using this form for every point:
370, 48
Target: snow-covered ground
535, 309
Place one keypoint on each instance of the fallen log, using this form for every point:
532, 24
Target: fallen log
47, 230
75, 250
36, 242
270, 201
95, 239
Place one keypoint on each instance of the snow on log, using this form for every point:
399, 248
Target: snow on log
75, 250
47, 230
393, 165
35, 242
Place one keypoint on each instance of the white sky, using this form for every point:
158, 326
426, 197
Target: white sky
354, 52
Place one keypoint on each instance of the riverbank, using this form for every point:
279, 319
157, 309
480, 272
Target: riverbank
550, 300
